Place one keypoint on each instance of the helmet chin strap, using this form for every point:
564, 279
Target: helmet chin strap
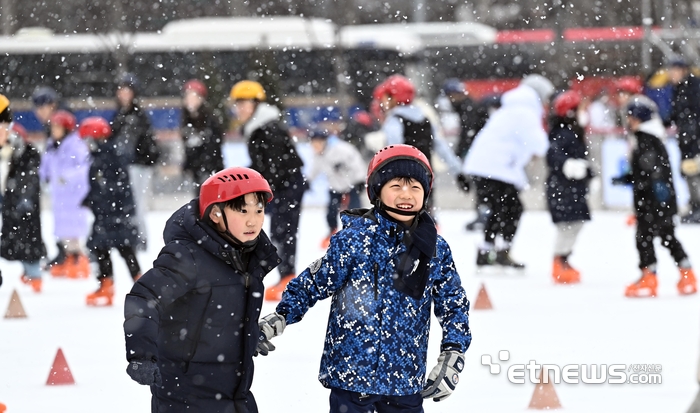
385, 207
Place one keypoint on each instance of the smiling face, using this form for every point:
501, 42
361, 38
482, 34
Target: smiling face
245, 225
405, 194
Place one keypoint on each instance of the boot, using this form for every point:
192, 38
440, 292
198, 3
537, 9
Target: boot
56, 267
563, 273
274, 293
645, 287
687, 284
503, 258
104, 295
485, 257
78, 266
35, 283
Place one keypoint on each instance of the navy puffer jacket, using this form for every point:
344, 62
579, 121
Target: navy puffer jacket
196, 314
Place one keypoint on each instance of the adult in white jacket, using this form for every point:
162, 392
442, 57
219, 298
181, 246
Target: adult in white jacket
512, 136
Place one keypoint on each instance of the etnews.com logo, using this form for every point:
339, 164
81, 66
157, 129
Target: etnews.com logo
575, 373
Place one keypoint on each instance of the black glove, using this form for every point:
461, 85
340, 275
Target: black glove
144, 372
463, 182
272, 325
662, 191
625, 179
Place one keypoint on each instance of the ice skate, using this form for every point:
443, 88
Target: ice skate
687, 284
78, 266
486, 261
503, 259
104, 295
274, 293
645, 287
56, 266
563, 272
35, 283
58, 269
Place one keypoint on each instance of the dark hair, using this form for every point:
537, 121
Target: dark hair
238, 203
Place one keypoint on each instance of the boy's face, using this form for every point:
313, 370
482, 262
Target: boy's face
44, 112
125, 96
633, 123
318, 145
402, 193
57, 132
192, 101
245, 224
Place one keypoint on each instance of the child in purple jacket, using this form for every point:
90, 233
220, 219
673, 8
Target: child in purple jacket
65, 167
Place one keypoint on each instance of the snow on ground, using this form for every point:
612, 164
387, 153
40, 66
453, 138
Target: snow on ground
591, 323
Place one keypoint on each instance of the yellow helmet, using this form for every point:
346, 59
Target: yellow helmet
248, 89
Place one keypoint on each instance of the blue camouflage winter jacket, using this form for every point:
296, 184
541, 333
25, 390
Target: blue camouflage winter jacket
377, 337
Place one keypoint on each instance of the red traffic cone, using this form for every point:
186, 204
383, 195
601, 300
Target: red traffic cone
544, 397
15, 309
60, 373
482, 300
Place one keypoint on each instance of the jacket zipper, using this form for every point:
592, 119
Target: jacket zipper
376, 281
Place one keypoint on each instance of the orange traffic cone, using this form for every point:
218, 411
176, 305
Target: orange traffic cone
2, 408
15, 309
482, 300
544, 397
60, 373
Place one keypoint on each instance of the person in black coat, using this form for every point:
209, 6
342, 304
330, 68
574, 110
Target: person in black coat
134, 142
654, 201
274, 155
685, 114
20, 239
202, 134
191, 322
111, 201
567, 182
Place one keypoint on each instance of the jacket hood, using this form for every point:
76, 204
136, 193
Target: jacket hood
410, 112
264, 113
522, 96
654, 126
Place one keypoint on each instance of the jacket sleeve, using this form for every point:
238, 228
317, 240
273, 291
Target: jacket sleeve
173, 275
451, 303
317, 282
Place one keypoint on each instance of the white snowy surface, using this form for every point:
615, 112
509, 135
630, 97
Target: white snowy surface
590, 323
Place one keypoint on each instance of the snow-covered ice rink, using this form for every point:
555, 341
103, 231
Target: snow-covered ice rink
590, 323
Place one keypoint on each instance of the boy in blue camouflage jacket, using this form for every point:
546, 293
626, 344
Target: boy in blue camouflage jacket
383, 272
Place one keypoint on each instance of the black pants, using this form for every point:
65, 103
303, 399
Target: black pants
105, 262
647, 230
284, 211
343, 401
506, 209
335, 203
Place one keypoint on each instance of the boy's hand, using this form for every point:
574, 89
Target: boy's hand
622, 180
144, 372
272, 325
444, 377
463, 182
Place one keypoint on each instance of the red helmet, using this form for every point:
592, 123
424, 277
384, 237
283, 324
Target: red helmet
64, 119
565, 102
95, 127
629, 84
395, 153
19, 130
231, 183
398, 87
196, 86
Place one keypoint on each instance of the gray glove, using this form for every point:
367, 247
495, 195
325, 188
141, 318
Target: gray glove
272, 325
144, 372
444, 377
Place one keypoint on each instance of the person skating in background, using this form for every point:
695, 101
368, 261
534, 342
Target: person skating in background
65, 166
45, 103
134, 142
406, 123
358, 126
345, 169
654, 201
202, 134
472, 116
111, 201
274, 155
512, 136
685, 114
20, 239
567, 182
191, 322
388, 261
